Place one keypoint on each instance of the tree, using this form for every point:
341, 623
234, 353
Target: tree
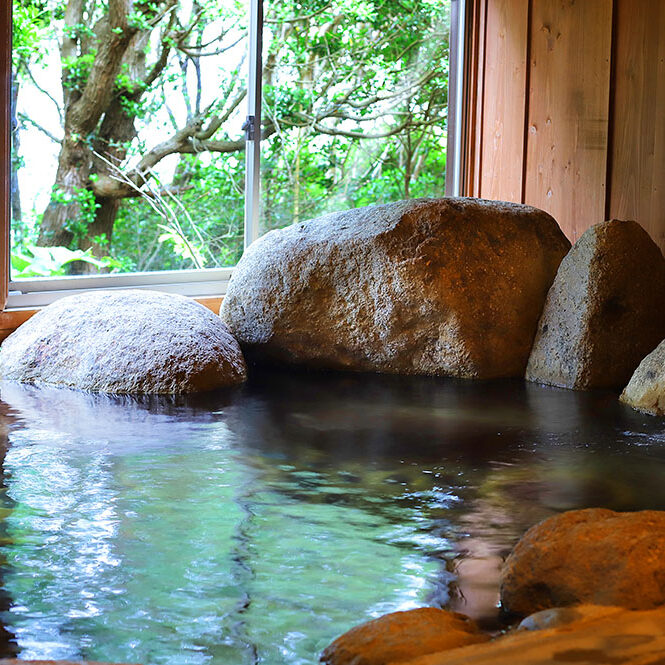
338, 75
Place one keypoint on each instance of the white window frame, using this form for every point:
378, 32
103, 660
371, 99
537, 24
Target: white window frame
39, 292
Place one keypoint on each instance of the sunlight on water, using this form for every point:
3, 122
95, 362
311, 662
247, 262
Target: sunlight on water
257, 526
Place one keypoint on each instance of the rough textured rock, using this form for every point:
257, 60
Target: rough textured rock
593, 556
562, 616
604, 312
612, 637
401, 636
429, 286
124, 342
646, 389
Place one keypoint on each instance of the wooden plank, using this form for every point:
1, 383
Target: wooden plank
11, 319
569, 93
504, 100
637, 165
473, 100
5, 120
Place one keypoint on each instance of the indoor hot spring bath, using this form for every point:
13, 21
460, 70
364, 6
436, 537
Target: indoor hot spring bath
257, 525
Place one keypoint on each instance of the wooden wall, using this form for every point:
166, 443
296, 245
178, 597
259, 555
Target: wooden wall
570, 116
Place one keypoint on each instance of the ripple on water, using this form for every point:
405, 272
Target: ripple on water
256, 526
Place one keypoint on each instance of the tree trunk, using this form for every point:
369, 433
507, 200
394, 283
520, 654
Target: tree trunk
94, 121
63, 215
98, 236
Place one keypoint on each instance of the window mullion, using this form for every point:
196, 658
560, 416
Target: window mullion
253, 124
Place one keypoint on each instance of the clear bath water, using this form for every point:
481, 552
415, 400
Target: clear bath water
256, 526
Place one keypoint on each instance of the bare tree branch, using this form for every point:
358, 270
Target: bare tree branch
24, 67
29, 121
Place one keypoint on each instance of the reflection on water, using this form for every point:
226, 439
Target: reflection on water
255, 526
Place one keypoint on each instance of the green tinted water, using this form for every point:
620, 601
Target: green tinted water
254, 527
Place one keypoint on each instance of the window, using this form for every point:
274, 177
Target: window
158, 178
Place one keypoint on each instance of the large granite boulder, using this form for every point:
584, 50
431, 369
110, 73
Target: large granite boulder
646, 389
593, 556
402, 636
604, 312
429, 286
124, 342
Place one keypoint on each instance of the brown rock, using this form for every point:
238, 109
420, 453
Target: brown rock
646, 389
604, 312
593, 556
401, 636
429, 286
610, 637
556, 617
124, 342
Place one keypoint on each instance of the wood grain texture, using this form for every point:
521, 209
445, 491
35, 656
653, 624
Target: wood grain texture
568, 112
637, 173
504, 100
473, 97
5, 114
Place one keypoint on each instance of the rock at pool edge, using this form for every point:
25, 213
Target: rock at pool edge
604, 312
594, 556
402, 636
448, 286
131, 341
646, 389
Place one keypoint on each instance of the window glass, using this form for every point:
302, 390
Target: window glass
128, 152
355, 99
128, 149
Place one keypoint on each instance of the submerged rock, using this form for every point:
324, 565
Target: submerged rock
604, 312
448, 286
402, 636
124, 342
593, 556
646, 389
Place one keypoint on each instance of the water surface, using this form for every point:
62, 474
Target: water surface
255, 526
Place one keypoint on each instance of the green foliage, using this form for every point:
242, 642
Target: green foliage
213, 198
355, 97
75, 71
84, 206
29, 21
34, 261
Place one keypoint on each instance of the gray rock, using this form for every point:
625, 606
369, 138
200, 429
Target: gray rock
429, 286
124, 342
604, 312
646, 389
594, 556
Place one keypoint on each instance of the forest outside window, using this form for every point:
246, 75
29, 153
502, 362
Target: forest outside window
129, 128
